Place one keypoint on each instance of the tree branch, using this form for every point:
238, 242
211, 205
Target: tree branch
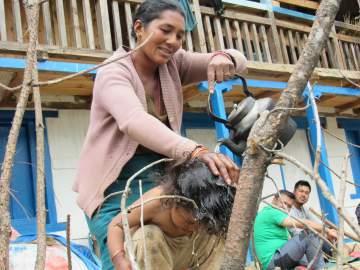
256, 159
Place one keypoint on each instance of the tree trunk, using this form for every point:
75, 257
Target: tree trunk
6, 168
264, 135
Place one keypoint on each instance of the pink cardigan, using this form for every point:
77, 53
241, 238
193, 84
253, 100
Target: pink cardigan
119, 120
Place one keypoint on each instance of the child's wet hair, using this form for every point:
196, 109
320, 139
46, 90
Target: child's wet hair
213, 197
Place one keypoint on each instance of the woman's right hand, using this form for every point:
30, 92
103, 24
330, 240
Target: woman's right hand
121, 262
221, 165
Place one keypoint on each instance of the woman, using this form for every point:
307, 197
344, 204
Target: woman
136, 113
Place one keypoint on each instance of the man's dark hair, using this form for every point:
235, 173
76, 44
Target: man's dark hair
150, 10
286, 193
302, 183
213, 197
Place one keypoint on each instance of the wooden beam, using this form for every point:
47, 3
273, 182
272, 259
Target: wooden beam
301, 3
350, 105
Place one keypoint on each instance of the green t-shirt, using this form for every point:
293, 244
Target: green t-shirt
269, 235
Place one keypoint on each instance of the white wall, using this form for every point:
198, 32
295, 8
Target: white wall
66, 135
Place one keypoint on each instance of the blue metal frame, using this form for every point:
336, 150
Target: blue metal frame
29, 226
323, 170
352, 133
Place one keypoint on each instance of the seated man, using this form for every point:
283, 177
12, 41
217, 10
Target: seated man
302, 190
178, 235
272, 244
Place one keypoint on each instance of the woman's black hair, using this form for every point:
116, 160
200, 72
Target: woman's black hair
150, 10
213, 197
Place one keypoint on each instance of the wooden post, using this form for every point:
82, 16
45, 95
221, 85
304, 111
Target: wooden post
61, 23
3, 34
102, 15
338, 53
88, 24
47, 23
117, 24
17, 19
199, 30
275, 45
76, 24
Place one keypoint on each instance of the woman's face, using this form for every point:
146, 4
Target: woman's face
168, 32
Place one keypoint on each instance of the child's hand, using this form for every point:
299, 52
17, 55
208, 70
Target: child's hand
121, 262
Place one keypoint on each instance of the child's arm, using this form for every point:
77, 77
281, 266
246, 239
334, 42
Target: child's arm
115, 238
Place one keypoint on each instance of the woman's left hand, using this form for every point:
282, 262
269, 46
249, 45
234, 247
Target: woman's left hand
221, 165
219, 69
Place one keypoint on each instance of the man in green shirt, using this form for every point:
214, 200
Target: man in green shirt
272, 244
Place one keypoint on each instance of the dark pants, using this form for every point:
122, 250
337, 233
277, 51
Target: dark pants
290, 255
111, 207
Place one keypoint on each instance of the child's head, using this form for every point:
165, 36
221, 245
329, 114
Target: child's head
214, 198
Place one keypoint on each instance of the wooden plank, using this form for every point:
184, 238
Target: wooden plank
349, 39
3, 33
347, 55
256, 42
103, 20
199, 30
61, 23
117, 23
228, 35
331, 53
354, 56
49, 39
292, 47
283, 47
292, 25
347, 106
249, 51
219, 40
301, 3
299, 42
189, 42
76, 24
357, 49
236, 15
238, 40
338, 50
128, 18
347, 26
274, 42
209, 34
263, 37
324, 59
88, 24
17, 18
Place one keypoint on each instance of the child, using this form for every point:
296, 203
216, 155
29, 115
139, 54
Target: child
178, 235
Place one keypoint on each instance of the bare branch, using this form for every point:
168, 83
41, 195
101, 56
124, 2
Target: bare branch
68, 242
341, 199
146, 262
6, 169
106, 62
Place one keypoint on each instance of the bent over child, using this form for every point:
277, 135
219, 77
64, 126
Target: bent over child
178, 235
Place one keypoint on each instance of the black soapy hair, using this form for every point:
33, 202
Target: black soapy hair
213, 197
150, 10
